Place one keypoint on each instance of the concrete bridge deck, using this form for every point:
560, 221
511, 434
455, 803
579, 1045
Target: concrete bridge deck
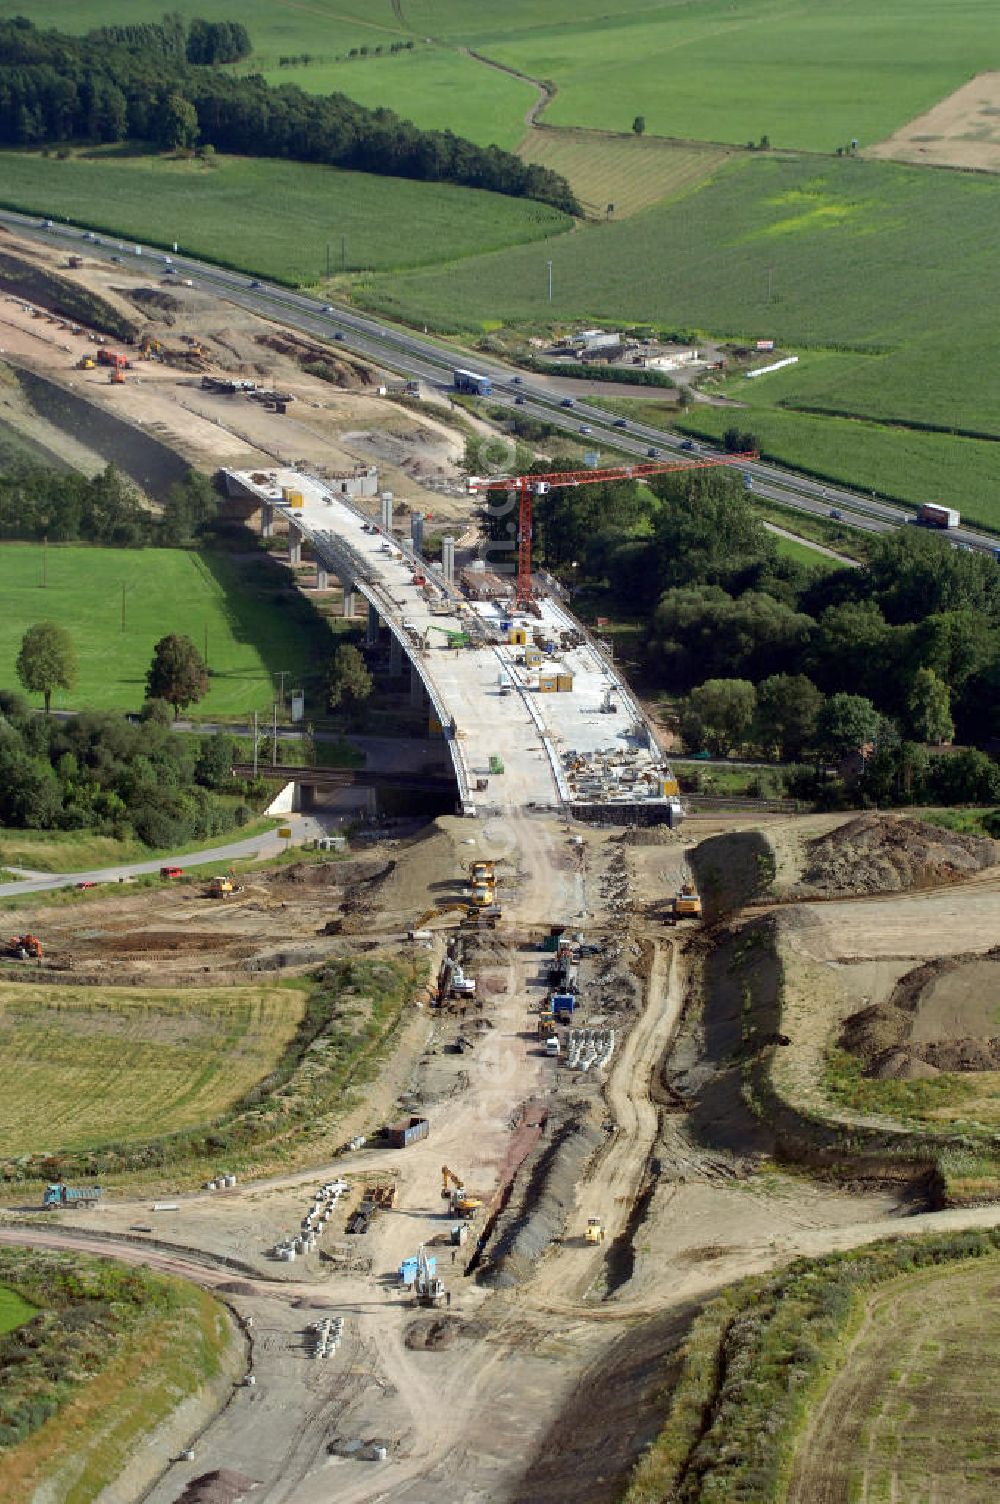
585, 748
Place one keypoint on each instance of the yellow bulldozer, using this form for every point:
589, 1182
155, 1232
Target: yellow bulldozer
595, 1230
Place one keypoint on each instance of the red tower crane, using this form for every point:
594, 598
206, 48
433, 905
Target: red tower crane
527, 486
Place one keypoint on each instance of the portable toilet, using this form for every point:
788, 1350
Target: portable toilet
517, 636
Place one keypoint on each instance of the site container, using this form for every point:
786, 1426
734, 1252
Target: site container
407, 1131
564, 683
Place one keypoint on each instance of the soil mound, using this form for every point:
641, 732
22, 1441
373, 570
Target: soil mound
433, 1336
649, 835
236, 1287
221, 1486
891, 854
941, 1017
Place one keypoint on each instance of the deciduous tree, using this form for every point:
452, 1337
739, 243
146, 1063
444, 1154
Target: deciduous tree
177, 673
47, 660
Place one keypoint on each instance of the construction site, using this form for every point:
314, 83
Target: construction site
458, 1242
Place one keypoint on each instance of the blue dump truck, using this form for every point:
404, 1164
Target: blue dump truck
471, 381
71, 1195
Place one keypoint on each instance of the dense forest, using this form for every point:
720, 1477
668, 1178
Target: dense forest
159, 84
763, 654
100, 771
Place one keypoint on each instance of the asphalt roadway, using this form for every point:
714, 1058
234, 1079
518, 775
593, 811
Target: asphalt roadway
422, 358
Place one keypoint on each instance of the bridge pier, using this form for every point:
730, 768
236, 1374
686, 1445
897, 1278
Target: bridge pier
266, 519
371, 634
417, 691
294, 545
322, 577
348, 588
395, 654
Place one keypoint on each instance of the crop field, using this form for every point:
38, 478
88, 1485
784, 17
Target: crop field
80, 1068
866, 283
913, 1406
274, 218
630, 172
165, 590
904, 464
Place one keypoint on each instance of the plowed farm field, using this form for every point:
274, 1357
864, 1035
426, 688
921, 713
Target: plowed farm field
626, 172
913, 1408
82, 1067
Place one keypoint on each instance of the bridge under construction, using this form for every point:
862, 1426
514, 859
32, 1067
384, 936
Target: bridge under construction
532, 710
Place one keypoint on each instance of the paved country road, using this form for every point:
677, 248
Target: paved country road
270, 844
424, 358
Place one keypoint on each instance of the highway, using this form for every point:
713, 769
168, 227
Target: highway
422, 358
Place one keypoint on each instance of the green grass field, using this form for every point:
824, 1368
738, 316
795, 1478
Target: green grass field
438, 88
274, 218
80, 1069
806, 75
166, 590
14, 1310
803, 553
83, 851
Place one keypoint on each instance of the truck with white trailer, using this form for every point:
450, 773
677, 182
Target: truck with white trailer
931, 515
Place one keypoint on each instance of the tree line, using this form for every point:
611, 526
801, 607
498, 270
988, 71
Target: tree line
766, 654
38, 502
149, 83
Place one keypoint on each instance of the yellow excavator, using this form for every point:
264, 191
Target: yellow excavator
453, 1190
685, 905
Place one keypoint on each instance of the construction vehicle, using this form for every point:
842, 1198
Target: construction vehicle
453, 1190
526, 487
150, 347
546, 1026
455, 639
117, 376
427, 1286
595, 1230
552, 1046
25, 947
85, 363
106, 357
483, 872
222, 887
685, 904
483, 895
71, 1195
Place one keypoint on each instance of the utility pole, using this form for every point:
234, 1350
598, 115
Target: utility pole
255, 746
282, 676
343, 253
45, 561
274, 735
124, 588
549, 265
328, 258
205, 654
770, 274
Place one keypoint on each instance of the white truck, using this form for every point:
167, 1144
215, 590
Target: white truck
934, 516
